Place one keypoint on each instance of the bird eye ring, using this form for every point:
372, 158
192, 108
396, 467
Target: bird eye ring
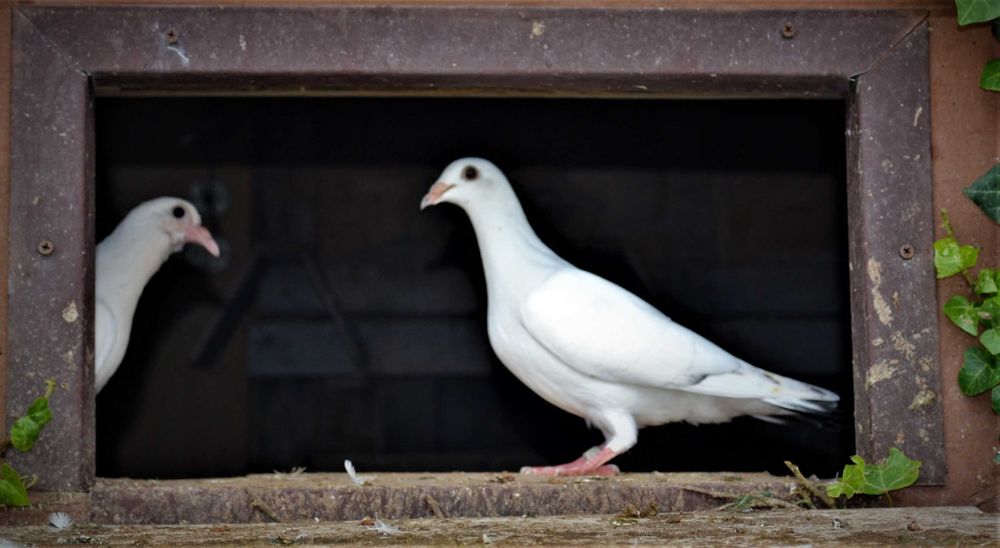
470, 173
179, 212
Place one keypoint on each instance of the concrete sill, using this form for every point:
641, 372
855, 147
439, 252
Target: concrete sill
334, 497
286, 498
874, 526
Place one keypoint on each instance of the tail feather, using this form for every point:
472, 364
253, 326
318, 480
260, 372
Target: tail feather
750, 382
771, 419
832, 420
803, 406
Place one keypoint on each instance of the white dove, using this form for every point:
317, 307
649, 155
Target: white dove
126, 260
592, 348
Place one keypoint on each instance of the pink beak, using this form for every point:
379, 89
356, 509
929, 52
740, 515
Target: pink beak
201, 236
433, 195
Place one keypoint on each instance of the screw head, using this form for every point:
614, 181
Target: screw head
906, 251
788, 30
171, 36
46, 247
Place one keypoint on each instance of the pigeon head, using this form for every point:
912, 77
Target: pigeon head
466, 181
179, 220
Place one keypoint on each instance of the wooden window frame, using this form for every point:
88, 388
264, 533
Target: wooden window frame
877, 61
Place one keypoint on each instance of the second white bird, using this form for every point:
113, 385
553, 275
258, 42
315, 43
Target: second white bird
126, 260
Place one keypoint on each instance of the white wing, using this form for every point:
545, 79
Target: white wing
603, 331
105, 332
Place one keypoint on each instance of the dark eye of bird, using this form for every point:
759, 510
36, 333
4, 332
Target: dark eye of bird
471, 173
179, 212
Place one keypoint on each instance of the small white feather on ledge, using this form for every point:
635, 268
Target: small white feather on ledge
358, 480
60, 520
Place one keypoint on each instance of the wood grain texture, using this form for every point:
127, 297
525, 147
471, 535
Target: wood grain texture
5, 12
50, 294
855, 527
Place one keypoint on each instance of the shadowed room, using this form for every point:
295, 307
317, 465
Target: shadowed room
341, 322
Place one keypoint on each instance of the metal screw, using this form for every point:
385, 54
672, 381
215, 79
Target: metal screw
906, 252
788, 30
171, 36
45, 247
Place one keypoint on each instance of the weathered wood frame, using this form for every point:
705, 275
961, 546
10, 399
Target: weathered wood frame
876, 60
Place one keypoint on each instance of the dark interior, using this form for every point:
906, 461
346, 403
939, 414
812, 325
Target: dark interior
342, 322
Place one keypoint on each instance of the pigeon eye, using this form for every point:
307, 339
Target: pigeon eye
470, 173
179, 212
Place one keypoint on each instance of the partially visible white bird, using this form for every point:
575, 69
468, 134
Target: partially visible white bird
592, 348
126, 260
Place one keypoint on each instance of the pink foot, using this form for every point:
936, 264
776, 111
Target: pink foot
592, 463
566, 470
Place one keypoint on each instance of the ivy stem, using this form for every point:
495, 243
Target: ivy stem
810, 486
50, 387
968, 279
946, 223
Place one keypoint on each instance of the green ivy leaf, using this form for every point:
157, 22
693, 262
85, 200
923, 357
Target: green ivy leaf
895, 472
989, 310
963, 313
978, 373
990, 80
969, 255
985, 192
851, 481
995, 396
12, 491
950, 258
838, 489
26, 429
991, 340
986, 283
977, 11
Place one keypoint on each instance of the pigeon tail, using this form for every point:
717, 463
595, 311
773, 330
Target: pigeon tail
814, 407
750, 382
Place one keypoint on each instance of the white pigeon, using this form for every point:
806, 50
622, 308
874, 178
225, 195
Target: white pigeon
592, 348
126, 260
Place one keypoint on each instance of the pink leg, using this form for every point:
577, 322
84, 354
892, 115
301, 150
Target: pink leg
592, 463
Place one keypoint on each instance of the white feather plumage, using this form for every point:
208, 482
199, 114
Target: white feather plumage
592, 348
126, 260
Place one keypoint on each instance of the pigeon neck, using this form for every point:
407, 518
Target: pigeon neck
509, 248
127, 259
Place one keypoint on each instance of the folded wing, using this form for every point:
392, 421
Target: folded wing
603, 331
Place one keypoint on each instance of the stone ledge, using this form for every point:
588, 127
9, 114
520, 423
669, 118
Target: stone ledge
334, 497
